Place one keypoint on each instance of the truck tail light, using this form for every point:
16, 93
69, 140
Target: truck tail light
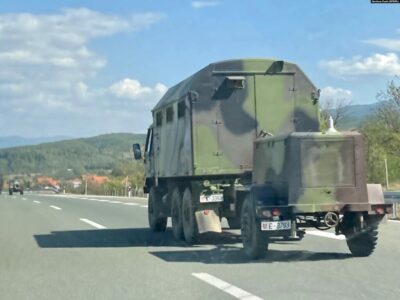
379, 210
266, 213
276, 212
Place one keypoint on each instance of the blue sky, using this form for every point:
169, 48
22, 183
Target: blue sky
81, 68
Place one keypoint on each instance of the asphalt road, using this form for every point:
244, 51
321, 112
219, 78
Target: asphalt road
65, 247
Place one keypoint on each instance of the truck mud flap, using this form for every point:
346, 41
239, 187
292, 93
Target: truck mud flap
208, 221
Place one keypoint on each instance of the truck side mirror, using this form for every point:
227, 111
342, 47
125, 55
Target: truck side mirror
137, 153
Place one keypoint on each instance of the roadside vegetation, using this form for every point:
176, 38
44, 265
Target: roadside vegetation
381, 133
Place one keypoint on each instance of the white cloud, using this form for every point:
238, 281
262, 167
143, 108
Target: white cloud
334, 94
388, 44
132, 89
203, 4
46, 64
377, 64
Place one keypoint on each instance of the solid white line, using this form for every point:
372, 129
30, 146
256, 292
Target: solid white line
143, 206
23, 198
94, 224
115, 201
326, 234
394, 221
226, 287
55, 207
34, 201
131, 203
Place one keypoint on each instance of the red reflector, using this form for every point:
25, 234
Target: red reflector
379, 210
205, 212
276, 212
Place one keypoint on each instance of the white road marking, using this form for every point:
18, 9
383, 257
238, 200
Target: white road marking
131, 203
394, 221
94, 224
23, 198
115, 201
34, 201
326, 234
103, 200
55, 207
143, 206
226, 287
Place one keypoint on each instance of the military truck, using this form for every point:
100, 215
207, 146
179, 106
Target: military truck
15, 186
240, 139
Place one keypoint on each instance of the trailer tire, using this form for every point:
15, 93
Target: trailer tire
176, 214
190, 231
157, 222
362, 244
255, 244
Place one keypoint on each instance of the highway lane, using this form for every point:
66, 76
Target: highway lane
63, 247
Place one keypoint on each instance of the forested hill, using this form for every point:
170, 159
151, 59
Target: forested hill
68, 158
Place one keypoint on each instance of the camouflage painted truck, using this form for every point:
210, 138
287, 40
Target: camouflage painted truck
239, 139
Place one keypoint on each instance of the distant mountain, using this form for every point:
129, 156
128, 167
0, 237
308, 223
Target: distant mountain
355, 115
16, 141
70, 157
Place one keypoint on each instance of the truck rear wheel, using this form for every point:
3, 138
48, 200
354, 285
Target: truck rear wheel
189, 223
176, 214
157, 222
254, 243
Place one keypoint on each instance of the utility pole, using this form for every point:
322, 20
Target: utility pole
387, 176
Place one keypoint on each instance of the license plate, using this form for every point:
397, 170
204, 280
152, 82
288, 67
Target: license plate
276, 225
211, 198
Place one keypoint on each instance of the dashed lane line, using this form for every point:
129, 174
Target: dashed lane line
145, 206
131, 203
35, 201
394, 221
326, 234
226, 287
94, 224
55, 207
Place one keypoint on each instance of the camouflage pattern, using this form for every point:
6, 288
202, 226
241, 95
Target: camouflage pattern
313, 172
222, 118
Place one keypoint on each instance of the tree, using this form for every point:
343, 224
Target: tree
382, 136
337, 108
388, 112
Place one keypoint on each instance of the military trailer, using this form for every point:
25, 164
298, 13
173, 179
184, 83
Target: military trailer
240, 139
15, 186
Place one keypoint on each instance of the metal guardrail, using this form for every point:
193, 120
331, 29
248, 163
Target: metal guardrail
393, 197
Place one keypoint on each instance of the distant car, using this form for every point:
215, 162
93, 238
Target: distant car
1, 183
14, 186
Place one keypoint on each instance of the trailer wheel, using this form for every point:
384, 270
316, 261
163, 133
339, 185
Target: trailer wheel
189, 223
157, 222
255, 244
176, 214
233, 222
361, 238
